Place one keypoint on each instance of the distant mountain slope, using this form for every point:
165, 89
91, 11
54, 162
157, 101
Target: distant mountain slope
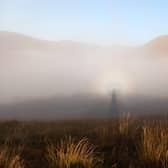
12, 40
16, 41
158, 46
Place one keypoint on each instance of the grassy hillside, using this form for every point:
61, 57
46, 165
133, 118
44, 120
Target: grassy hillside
120, 143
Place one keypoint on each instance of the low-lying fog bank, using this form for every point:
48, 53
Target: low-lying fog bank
45, 79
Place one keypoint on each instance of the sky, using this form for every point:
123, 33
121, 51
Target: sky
105, 22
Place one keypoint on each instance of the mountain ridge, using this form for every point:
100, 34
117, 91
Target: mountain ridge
158, 42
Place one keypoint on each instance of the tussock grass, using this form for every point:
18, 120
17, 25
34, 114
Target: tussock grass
71, 154
124, 123
127, 141
154, 146
114, 129
10, 158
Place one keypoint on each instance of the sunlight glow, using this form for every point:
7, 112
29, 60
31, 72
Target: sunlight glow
113, 81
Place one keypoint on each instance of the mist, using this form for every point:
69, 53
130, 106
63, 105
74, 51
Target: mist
33, 69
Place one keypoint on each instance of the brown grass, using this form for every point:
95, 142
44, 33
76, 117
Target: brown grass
70, 154
124, 123
122, 143
10, 158
154, 146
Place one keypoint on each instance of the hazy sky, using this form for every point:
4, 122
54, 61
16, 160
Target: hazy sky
128, 22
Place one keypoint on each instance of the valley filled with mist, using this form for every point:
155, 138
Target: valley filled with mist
43, 79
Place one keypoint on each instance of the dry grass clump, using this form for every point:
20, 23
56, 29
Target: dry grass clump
71, 154
154, 147
124, 123
10, 158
